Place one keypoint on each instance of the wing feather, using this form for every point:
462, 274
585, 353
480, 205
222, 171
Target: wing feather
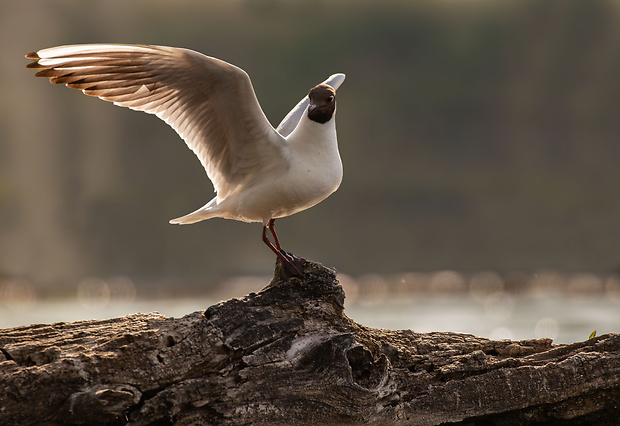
210, 103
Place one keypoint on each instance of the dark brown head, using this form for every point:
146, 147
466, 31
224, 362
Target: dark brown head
322, 103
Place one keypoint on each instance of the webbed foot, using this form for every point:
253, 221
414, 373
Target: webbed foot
290, 265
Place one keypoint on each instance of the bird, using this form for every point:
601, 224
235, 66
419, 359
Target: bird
259, 173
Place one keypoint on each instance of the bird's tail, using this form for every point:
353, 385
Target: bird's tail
205, 212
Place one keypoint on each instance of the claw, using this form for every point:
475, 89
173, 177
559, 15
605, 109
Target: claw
290, 265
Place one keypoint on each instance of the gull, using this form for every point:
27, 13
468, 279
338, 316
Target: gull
259, 173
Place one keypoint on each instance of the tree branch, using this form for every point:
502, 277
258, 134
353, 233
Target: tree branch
289, 355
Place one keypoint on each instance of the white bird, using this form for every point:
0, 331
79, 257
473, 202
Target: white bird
259, 173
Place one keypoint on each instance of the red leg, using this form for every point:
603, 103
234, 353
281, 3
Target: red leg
266, 241
272, 228
291, 265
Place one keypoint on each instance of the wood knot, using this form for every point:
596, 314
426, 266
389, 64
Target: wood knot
366, 371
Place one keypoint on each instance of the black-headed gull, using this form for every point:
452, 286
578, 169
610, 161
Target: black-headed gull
259, 173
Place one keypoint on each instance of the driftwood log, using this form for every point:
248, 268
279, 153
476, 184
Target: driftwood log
289, 355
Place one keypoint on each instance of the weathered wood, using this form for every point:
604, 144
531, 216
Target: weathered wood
289, 355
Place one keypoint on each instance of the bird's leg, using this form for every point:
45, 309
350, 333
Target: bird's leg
266, 241
272, 228
291, 264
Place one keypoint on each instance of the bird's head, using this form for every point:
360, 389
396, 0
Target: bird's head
322, 103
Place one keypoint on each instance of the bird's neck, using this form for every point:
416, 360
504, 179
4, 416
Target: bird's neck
308, 130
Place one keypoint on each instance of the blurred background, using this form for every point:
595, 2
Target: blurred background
479, 140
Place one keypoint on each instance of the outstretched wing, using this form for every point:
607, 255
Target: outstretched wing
288, 124
210, 103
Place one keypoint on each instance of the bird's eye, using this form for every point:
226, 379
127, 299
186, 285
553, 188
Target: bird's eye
330, 99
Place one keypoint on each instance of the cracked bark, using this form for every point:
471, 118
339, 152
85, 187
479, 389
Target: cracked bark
289, 355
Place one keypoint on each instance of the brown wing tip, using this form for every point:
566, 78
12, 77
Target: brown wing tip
34, 63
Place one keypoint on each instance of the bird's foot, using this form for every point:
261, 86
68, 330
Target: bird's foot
290, 265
